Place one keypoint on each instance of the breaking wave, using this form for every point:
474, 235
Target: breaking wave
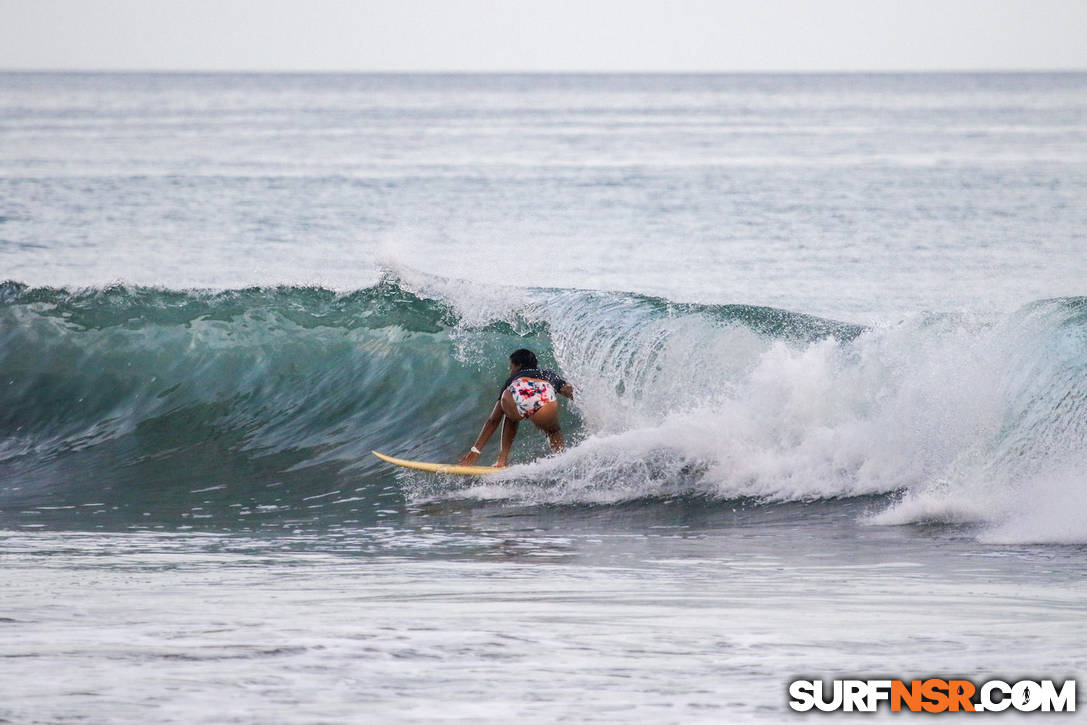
181, 405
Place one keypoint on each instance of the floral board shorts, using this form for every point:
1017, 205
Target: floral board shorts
530, 395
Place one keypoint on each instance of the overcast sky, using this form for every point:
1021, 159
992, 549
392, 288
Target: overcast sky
542, 35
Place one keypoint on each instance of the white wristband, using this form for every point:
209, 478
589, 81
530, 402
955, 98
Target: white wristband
476, 450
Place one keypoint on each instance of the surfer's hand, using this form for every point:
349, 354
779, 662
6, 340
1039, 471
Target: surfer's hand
468, 458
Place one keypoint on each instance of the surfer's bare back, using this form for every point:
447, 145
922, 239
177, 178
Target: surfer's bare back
528, 393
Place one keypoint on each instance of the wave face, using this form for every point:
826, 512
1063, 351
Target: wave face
132, 405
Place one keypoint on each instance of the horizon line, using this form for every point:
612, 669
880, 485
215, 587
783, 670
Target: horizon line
325, 71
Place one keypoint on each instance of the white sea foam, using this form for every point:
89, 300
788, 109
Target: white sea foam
961, 415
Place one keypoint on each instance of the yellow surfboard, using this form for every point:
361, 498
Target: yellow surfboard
439, 467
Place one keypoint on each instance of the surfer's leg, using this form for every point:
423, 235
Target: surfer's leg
547, 420
509, 427
509, 407
509, 432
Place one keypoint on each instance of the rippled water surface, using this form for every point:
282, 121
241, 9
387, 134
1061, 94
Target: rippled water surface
828, 336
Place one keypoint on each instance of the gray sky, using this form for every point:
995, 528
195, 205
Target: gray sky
563, 35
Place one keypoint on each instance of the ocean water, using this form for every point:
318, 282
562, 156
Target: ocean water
828, 335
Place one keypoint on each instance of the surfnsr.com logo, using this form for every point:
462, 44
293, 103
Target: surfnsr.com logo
933, 695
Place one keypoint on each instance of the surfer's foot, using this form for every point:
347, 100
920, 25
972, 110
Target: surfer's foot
499, 464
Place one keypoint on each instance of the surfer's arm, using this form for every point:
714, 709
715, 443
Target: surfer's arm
484, 435
561, 386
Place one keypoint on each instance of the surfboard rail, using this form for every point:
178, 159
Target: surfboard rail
439, 467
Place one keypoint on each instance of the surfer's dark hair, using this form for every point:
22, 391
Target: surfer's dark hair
526, 359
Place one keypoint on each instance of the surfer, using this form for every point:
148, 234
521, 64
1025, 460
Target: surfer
527, 393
